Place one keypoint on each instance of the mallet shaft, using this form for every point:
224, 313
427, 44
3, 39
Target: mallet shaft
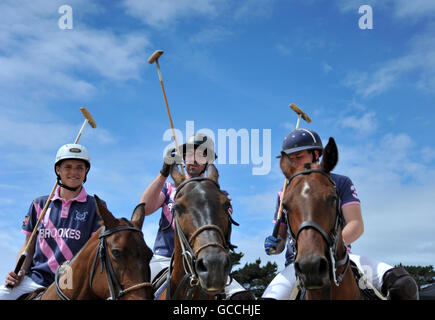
154, 58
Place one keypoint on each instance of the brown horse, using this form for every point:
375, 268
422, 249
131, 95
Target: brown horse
201, 265
315, 223
113, 264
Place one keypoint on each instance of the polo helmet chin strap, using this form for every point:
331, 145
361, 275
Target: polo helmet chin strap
60, 184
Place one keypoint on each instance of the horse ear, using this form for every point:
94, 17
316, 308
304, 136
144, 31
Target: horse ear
176, 175
212, 172
286, 166
138, 215
330, 156
108, 219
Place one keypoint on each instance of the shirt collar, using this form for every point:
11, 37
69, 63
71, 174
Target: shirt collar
81, 197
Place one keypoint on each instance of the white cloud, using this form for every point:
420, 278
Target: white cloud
419, 62
364, 124
41, 60
395, 188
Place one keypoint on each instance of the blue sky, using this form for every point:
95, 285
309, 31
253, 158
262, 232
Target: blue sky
227, 65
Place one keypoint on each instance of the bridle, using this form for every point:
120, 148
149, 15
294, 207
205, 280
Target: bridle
115, 287
188, 254
331, 238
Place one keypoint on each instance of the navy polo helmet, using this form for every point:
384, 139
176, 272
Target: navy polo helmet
301, 139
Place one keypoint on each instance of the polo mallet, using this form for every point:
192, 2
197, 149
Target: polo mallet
304, 116
154, 58
91, 121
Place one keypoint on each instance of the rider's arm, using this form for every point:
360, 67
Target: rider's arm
354, 223
153, 196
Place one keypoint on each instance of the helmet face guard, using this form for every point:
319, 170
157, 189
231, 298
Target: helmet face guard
300, 140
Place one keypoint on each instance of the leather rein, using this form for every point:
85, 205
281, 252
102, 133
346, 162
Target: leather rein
115, 287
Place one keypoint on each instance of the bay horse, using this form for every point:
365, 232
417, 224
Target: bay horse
315, 223
113, 264
200, 265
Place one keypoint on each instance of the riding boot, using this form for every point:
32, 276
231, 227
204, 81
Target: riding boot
398, 284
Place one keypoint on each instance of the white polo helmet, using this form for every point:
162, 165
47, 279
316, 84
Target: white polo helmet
73, 151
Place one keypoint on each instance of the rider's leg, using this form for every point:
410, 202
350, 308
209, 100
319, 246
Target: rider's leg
282, 285
157, 264
398, 284
235, 291
372, 269
26, 286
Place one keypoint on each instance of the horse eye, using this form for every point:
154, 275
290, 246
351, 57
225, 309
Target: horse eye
116, 253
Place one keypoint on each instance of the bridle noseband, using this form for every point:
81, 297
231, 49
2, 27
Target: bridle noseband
105, 263
330, 238
188, 254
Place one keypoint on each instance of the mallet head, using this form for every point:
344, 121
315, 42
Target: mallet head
88, 116
299, 111
153, 58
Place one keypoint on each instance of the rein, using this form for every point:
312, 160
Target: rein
188, 254
105, 263
331, 238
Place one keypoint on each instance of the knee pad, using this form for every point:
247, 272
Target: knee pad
398, 284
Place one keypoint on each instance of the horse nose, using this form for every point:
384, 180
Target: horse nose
213, 269
313, 270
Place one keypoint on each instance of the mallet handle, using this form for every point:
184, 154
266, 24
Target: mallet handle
279, 214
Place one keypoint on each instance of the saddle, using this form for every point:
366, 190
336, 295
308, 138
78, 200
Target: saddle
34, 295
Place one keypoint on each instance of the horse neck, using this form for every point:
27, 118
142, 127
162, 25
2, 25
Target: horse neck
81, 266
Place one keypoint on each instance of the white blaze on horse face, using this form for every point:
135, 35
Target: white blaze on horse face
305, 189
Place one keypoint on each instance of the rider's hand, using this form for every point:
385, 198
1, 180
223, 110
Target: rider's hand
169, 160
13, 279
270, 244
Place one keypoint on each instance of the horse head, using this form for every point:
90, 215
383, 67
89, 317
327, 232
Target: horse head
312, 205
203, 228
125, 256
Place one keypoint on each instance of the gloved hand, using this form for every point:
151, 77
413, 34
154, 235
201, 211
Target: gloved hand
169, 160
270, 244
